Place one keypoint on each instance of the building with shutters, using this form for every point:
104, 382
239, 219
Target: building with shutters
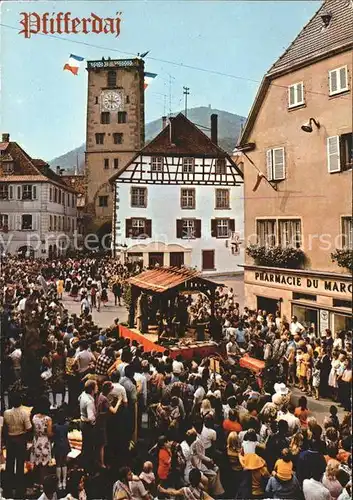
297, 152
179, 201
38, 213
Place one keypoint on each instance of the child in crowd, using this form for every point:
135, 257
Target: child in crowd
283, 468
61, 447
148, 478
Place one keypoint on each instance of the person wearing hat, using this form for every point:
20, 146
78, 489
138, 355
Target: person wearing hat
257, 466
282, 395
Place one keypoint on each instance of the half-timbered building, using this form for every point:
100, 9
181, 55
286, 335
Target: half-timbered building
180, 202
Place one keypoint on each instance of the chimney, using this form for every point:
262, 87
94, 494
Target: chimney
5, 138
172, 131
164, 122
58, 170
214, 129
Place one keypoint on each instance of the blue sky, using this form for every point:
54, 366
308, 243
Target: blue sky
44, 107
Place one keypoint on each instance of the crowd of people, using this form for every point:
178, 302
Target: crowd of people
145, 425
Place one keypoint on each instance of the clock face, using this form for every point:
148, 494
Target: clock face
111, 100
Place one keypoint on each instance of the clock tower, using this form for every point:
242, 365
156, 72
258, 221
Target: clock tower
115, 131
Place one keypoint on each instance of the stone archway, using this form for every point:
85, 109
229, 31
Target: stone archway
25, 252
104, 233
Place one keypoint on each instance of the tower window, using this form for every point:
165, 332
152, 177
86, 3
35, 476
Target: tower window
111, 78
116, 162
122, 117
127, 99
103, 201
97, 100
100, 138
118, 138
105, 117
106, 163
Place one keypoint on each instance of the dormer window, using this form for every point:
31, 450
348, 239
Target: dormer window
8, 168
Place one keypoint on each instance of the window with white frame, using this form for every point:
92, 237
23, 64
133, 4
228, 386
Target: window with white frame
188, 165
26, 221
339, 153
6, 192
188, 228
139, 197
289, 233
4, 221
138, 227
28, 192
266, 232
275, 162
222, 228
296, 94
338, 80
157, 163
187, 199
222, 198
347, 232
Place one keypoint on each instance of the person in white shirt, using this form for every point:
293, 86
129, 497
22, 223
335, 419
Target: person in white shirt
313, 489
232, 350
208, 434
287, 414
295, 327
84, 358
15, 357
200, 392
178, 366
88, 420
118, 391
22, 304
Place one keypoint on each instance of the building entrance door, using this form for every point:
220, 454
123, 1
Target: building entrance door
155, 258
176, 259
268, 305
207, 260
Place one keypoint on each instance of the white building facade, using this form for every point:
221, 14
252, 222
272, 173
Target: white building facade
38, 214
180, 203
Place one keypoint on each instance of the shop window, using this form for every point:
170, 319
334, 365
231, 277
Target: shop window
304, 296
342, 303
306, 316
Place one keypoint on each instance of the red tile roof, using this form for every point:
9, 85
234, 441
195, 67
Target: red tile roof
187, 140
77, 182
314, 40
180, 137
27, 169
164, 278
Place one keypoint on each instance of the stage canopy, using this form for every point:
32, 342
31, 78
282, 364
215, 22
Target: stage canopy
162, 279
165, 283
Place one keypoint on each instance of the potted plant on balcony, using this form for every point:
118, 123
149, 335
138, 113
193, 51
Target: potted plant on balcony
344, 258
276, 256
